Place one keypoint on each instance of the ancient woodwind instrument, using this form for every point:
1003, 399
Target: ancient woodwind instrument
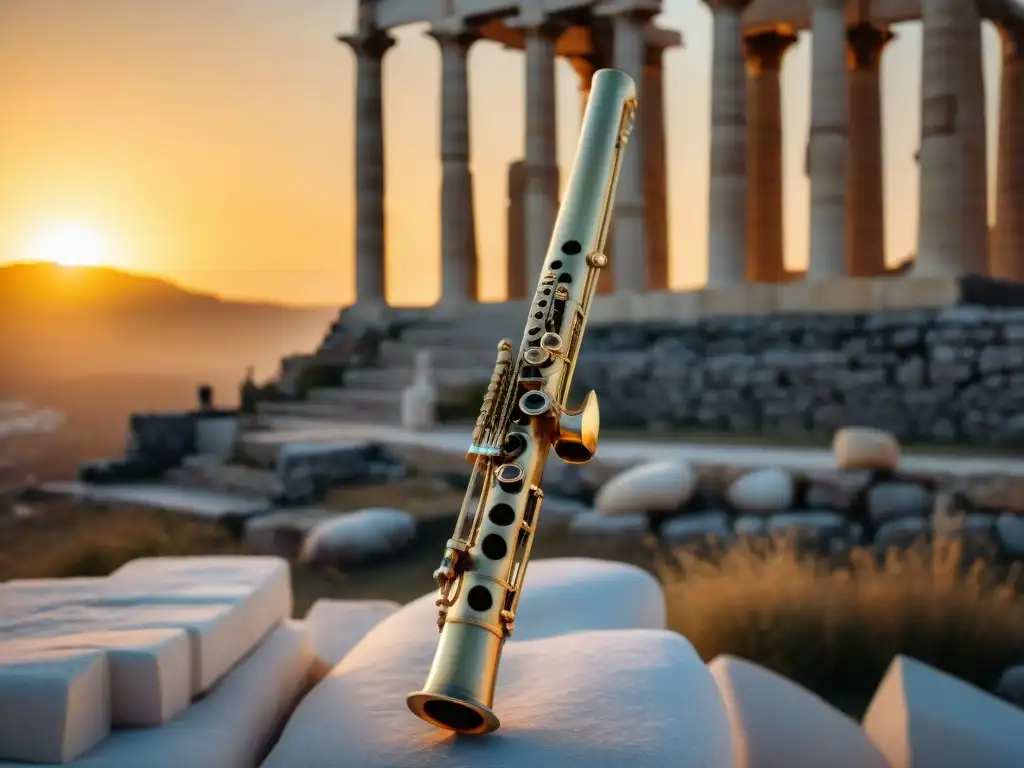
524, 414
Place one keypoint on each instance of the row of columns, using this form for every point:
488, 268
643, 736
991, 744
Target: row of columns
844, 152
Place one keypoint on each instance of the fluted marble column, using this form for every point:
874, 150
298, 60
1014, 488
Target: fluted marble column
765, 245
369, 47
865, 217
940, 238
1007, 254
971, 123
727, 193
655, 174
827, 146
540, 201
515, 233
585, 68
458, 223
629, 250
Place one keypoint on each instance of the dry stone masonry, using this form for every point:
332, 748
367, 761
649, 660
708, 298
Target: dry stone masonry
942, 376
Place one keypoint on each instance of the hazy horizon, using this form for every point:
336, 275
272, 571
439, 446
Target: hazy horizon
213, 144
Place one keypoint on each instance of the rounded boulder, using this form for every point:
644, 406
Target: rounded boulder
763, 491
865, 448
661, 486
355, 537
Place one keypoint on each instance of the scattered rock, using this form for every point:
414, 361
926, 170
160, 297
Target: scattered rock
1011, 686
920, 716
865, 448
661, 486
751, 526
775, 722
764, 492
894, 500
336, 626
811, 528
353, 538
629, 528
1010, 534
711, 528
282, 533
837, 491
901, 533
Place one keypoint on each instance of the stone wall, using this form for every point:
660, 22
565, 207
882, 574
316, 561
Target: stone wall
950, 375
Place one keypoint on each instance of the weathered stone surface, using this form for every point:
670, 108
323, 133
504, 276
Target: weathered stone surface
54, 703
231, 727
897, 500
355, 537
775, 722
662, 486
307, 470
927, 375
920, 717
335, 626
707, 527
901, 533
1011, 686
584, 628
764, 491
1010, 534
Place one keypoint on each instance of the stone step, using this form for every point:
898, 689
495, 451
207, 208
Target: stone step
401, 354
334, 411
210, 474
359, 397
478, 334
397, 378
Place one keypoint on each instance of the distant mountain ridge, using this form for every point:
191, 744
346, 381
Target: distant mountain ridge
60, 322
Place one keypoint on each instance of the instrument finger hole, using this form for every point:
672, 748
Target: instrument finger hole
556, 265
479, 599
494, 547
571, 247
502, 514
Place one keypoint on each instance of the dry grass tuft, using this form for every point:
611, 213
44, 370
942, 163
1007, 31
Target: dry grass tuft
64, 539
834, 629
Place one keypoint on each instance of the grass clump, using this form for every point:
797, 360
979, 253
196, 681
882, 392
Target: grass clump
834, 628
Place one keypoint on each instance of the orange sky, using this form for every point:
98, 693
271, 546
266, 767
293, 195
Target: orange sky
212, 142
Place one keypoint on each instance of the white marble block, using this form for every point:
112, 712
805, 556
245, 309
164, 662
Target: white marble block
263, 584
226, 604
923, 718
231, 727
149, 670
335, 626
775, 722
54, 704
596, 699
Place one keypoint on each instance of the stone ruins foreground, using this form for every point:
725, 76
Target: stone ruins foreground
199, 664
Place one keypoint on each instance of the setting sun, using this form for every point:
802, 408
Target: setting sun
70, 244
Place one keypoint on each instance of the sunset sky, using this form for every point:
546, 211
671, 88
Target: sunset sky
212, 142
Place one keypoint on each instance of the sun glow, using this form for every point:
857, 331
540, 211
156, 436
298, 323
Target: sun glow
70, 244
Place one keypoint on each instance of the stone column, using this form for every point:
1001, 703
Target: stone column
540, 202
865, 213
940, 238
1008, 237
629, 249
827, 145
971, 123
369, 47
515, 248
458, 224
727, 193
655, 175
585, 68
765, 246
